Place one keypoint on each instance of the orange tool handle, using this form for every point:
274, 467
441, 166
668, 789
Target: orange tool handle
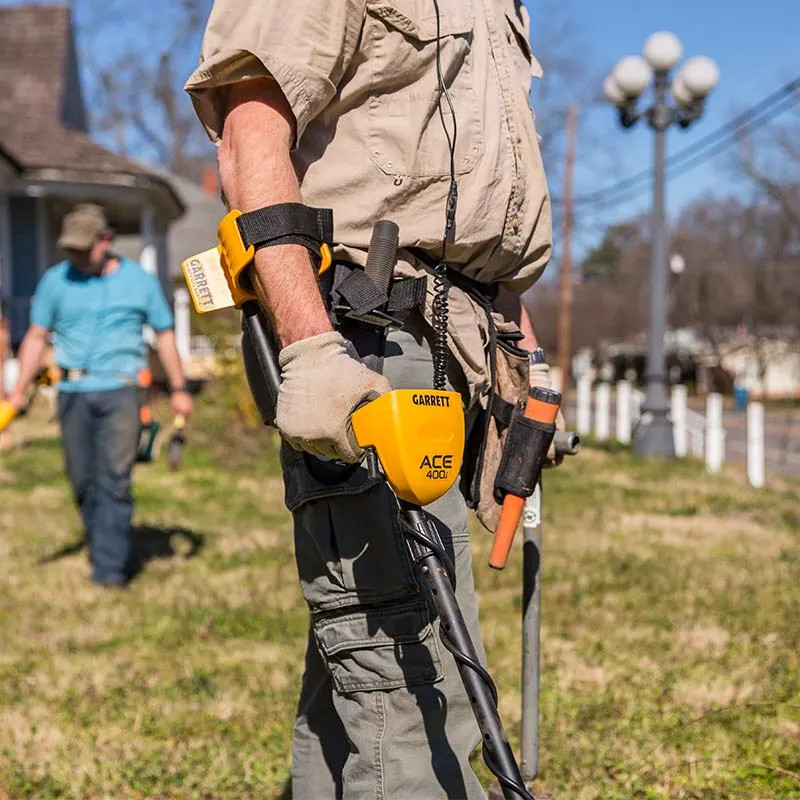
144, 379
542, 406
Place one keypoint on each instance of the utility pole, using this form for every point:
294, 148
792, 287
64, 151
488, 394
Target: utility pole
565, 301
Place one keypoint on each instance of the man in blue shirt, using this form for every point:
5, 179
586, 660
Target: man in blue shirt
96, 305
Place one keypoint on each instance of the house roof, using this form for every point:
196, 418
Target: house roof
194, 232
42, 117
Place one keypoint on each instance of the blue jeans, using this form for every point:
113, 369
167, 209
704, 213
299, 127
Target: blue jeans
100, 434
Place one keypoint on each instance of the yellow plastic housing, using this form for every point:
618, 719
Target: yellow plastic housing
215, 276
418, 435
7, 413
235, 257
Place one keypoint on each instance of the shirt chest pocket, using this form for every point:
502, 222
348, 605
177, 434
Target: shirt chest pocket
407, 111
524, 62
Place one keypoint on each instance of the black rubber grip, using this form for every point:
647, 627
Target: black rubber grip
260, 361
382, 254
546, 395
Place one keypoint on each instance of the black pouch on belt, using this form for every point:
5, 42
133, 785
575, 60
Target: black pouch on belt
524, 454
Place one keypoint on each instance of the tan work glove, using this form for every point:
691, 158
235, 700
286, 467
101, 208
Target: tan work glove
322, 385
540, 376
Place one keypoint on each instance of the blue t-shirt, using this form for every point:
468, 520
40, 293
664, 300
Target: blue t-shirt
98, 321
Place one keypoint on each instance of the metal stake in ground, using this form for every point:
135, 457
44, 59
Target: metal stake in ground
566, 444
531, 621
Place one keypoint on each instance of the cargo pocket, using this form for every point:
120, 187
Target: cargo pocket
405, 135
380, 649
348, 543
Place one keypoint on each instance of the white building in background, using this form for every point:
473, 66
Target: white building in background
778, 359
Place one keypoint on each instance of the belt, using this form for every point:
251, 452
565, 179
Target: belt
348, 285
484, 293
68, 374
72, 374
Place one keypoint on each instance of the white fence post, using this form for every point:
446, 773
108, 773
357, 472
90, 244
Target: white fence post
624, 412
183, 323
678, 411
755, 444
602, 410
714, 433
583, 396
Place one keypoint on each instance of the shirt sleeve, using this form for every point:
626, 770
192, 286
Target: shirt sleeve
43, 304
159, 315
304, 45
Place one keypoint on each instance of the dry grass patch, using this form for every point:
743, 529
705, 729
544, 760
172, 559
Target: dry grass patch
670, 639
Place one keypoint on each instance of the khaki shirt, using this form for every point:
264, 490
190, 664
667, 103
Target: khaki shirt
360, 77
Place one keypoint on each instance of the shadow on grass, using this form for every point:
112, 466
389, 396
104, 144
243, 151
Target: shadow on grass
63, 552
149, 542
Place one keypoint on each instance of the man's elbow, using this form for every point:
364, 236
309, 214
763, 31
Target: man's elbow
256, 107
37, 335
165, 337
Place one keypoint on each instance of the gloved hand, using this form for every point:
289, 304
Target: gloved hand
322, 385
540, 376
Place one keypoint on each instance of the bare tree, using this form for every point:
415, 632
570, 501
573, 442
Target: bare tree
136, 87
609, 303
771, 161
743, 262
560, 47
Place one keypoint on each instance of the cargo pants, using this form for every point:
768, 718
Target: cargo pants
383, 714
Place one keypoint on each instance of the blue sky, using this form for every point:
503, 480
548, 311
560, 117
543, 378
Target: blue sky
755, 44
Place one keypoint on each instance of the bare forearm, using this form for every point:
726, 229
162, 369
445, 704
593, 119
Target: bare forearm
512, 308
256, 171
30, 357
170, 360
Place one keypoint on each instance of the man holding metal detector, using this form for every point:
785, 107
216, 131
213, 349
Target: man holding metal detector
96, 304
416, 111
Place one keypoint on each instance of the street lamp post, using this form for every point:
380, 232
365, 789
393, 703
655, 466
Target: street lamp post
623, 87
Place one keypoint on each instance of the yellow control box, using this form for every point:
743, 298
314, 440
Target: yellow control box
418, 435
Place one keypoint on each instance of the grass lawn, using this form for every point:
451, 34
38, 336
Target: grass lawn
671, 632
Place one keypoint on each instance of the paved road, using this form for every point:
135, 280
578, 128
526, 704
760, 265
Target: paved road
781, 435
781, 440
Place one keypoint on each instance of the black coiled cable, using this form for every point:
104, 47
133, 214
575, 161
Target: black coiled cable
440, 309
440, 315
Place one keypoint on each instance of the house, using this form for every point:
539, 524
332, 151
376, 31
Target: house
194, 232
48, 162
766, 367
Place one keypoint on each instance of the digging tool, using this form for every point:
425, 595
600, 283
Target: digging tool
148, 427
177, 443
46, 377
